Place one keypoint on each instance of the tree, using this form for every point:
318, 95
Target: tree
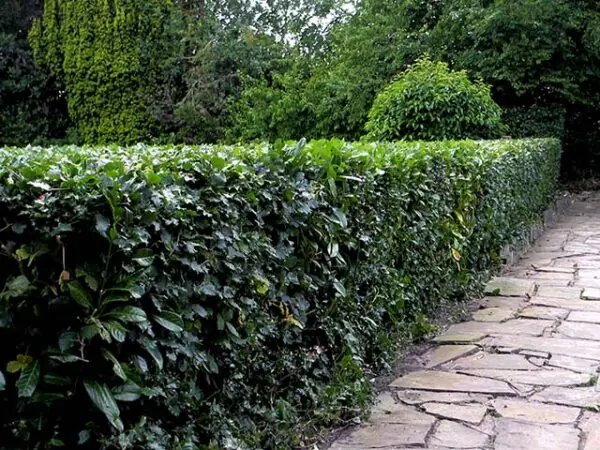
110, 57
31, 108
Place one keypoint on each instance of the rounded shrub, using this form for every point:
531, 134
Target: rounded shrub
430, 102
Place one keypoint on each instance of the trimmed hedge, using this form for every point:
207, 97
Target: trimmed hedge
226, 297
535, 121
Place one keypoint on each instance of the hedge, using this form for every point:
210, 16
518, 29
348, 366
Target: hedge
231, 297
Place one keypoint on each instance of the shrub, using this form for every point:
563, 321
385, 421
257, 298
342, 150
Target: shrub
430, 102
225, 297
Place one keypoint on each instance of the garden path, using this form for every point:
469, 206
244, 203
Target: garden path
522, 374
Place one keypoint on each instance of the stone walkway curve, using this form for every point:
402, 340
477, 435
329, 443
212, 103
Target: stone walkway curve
522, 374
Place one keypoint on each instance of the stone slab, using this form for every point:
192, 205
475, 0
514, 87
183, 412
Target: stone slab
526, 411
493, 315
571, 304
554, 377
574, 364
390, 436
472, 413
459, 338
451, 382
419, 397
529, 327
454, 435
584, 397
573, 293
584, 316
578, 348
512, 303
484, 360
590, 425
590, 293
387, 410
533, 353
446, 353
510, 287
513, 435
579, 330
544, 312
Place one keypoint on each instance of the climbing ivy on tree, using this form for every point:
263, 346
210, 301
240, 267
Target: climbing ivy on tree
108, 56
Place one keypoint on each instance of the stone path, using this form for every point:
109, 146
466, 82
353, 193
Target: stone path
523, 373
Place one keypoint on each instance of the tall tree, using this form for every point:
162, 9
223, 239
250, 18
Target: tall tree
110, 57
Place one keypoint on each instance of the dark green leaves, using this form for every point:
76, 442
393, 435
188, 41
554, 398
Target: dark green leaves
103, 399
2, 382
80, 294
28, 381
170, 321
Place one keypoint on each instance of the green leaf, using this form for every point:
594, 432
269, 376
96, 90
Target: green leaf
2, 382
56, 380
127, 393
15, 287
171, 321
80, 294
116, 330
339, 287
67, 341
144, 257
153, 350
28, 381
117, 368
103, 399
128, 314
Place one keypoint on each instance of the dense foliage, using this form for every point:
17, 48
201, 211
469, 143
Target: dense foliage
111, 58
234, 297
430, 102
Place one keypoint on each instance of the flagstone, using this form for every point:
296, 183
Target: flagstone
472, 413
513, 435
388, 410
459, 338
584, 397
553, 377
559, 292
510, 287
484, 360
590, 425
584, 316
571, 304
516, 326
493, 315
575, 364
455, 435
526, 411
590, 293
419, 397
387, 435
446, 353
579, 330
544, 312
451, 382
578, 348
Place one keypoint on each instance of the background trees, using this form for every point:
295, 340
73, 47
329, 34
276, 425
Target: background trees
207, 71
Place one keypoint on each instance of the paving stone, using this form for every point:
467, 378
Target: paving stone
467, 413
590, 293
526, 411
459, 338
451, 382
516, 326
539, 355
454, 435
387, 435
510, 287
575, 364
583, 397
579, 330
554, 377
512, 303
553, 271
513, 435
484, 360
445, 353
572, 293
493, 315
584, 316
590, 425
571, 304
419, 397
544, 312
578, 348
387, 410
